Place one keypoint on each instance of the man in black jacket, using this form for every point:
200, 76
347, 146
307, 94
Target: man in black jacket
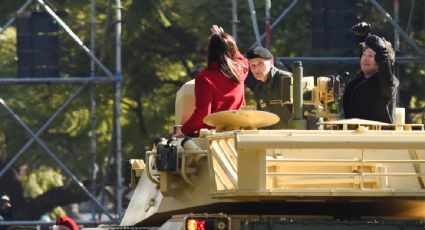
372, 95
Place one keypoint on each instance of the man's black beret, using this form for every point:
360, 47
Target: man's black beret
258, 52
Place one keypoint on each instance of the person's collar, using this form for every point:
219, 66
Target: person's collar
272, 72
369, 75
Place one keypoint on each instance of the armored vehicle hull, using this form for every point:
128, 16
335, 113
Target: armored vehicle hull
257, 174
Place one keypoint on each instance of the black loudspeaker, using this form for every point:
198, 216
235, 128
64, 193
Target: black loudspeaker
331, 23
37, 45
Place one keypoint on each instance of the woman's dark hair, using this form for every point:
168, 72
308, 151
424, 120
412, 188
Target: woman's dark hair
222, 49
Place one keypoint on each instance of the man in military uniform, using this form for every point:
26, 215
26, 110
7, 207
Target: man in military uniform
273, 93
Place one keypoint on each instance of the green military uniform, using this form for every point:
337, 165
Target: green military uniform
275, 96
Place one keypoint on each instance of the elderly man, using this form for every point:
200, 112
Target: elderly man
273, 93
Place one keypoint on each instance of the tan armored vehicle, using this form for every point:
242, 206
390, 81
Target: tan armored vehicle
349, 174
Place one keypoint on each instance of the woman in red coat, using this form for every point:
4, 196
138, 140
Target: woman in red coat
220, 86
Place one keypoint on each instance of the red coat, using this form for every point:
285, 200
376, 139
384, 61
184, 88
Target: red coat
214, 92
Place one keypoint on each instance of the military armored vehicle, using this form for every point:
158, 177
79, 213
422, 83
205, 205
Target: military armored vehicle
348, 174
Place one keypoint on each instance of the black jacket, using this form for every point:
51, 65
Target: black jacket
372, 98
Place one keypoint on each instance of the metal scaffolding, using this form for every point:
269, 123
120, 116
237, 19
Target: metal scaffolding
420, 53
89, 83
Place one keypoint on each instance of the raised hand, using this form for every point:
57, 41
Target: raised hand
361, 31
216, 29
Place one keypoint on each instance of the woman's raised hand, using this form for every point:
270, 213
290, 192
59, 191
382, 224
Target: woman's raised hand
216, 29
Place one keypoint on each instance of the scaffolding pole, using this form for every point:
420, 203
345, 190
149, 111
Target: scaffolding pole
397, 27
118, 90
69, 80
11, 20
397, 21
268, 7
278, 19
345, 60
83, 81
41, 130
54, 157
74, 37
349, 60
235, 19
93, 146
254, 22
